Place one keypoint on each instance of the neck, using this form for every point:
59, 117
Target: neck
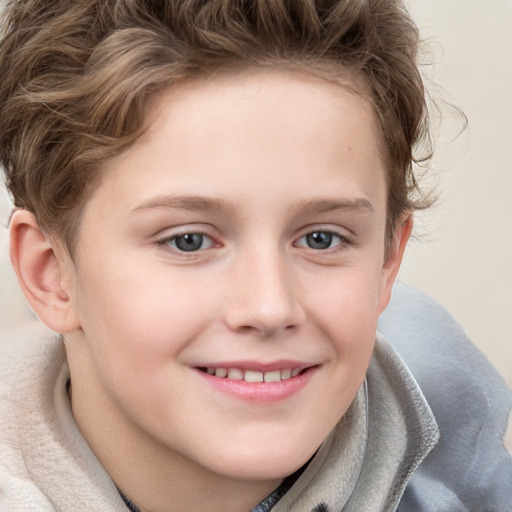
181, 491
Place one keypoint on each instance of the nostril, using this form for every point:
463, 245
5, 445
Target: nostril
248, 329
265, 330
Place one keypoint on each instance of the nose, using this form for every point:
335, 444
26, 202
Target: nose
263, 296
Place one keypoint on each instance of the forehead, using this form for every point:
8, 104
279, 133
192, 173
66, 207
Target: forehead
254, 137
263, 101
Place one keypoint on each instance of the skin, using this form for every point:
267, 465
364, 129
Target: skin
255, 163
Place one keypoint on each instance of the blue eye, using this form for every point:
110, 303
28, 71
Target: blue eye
190, 242
320, 240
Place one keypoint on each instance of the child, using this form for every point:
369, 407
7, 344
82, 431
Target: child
212, 204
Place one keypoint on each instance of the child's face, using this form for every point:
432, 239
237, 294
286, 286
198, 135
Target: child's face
244, 231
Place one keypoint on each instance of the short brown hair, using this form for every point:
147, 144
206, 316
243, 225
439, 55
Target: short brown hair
76, 76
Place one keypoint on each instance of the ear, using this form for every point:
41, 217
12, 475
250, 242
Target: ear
393, 260
44, 272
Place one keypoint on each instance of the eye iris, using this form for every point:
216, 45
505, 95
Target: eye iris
189, 242
319, 240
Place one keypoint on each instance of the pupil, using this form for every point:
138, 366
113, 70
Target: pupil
190, 242
319, 240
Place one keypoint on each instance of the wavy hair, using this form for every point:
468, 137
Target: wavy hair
77, 75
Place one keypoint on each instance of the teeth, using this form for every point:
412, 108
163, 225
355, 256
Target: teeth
251, 376
221, 372
286, 374
272, 376
235, 374
254, 376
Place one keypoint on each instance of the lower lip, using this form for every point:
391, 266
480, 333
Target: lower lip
263, 392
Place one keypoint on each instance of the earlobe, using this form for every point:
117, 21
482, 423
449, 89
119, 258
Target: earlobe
394, 257
39, 268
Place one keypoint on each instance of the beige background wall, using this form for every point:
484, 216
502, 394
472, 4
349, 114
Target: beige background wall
465, 257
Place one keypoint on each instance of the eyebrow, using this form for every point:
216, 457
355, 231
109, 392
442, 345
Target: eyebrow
192, 203
198, 203
328, 205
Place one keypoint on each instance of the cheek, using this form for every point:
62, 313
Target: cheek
347, 312
347, 317
350, 300
140, 316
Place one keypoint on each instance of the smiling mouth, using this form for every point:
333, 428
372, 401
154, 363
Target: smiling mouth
253, 376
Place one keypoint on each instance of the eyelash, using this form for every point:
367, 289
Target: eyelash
170, 243
342, 243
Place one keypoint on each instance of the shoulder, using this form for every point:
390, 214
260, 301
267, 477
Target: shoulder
470, 469
45, 463
26, 357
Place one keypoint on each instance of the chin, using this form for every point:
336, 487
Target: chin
265, 463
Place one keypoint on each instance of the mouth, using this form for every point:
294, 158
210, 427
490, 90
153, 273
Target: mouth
256, 383
254, 376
